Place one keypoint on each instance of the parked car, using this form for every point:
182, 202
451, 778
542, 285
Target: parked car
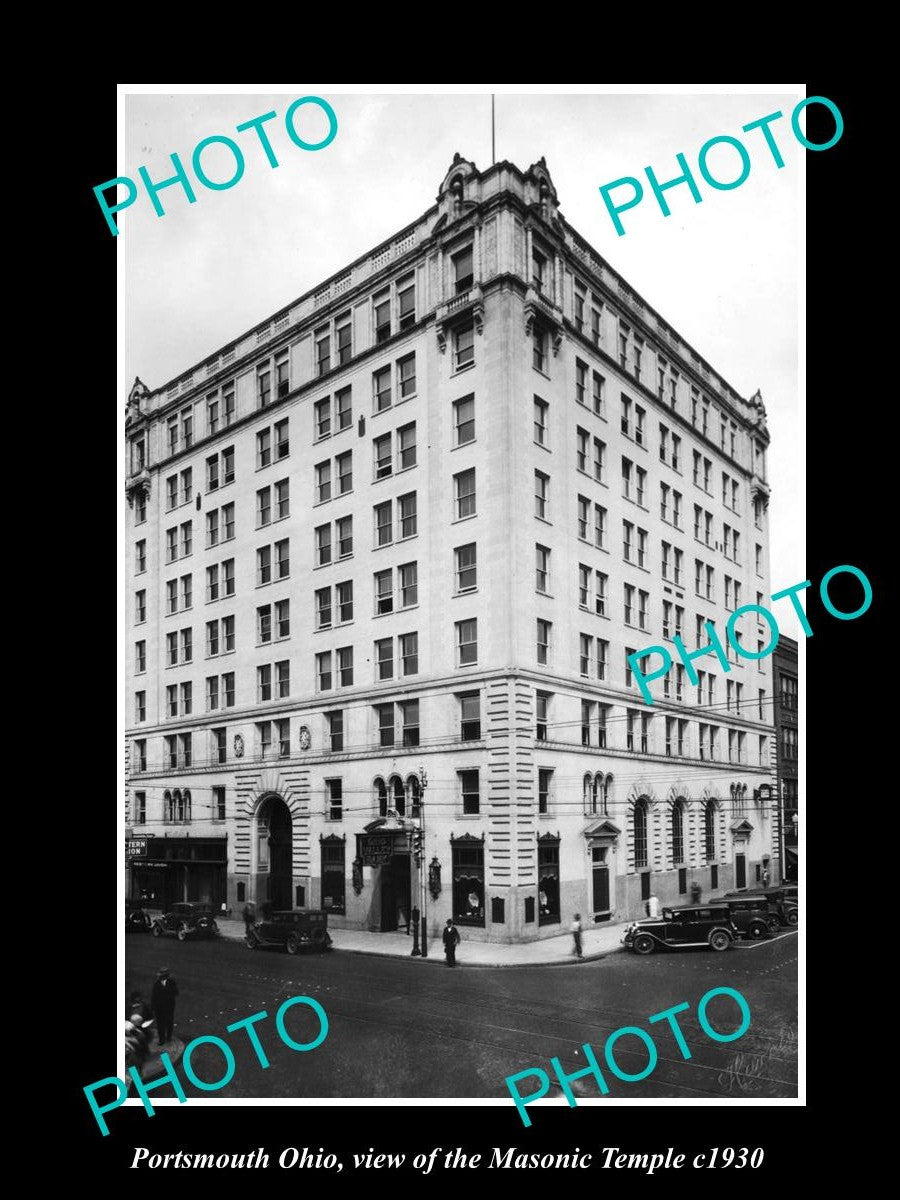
693, 925
782, 902
295, 929
187, 920
752, 915
136, 919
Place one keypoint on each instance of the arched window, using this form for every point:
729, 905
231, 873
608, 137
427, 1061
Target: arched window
398, 795
709, 826
640, 833
597, 794
678, 831
168, 810
381, 797
186, 805
413, 794
588, 791
607, 795
177, 803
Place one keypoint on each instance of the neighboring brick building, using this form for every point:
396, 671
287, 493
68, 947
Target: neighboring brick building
784, 666
407, 530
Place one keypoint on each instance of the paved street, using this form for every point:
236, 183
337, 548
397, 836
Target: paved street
403, 1029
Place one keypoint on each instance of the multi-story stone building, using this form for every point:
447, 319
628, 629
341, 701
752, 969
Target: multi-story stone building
784, 667
387, 556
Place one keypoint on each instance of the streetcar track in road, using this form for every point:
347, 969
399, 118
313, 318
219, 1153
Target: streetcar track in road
538, 1011
688, 1023
439, 1016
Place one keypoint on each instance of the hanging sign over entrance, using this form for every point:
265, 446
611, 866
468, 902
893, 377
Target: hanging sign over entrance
375, 849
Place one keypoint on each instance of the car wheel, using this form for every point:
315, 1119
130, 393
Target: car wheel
182, 931
719, 940
157, 929
644, 944
293, 944
757, 929
792, 916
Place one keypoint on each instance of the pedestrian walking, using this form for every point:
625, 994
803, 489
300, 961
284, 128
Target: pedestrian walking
765, 877
162, 998
249, 915
576, 935
451, 941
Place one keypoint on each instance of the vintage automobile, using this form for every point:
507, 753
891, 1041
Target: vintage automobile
187, 920
693, 925
136, 919
295, 929
752, 915
781, 902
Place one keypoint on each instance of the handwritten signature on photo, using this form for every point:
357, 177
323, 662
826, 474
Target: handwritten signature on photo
746, 1070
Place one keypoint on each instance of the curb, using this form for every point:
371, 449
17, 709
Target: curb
569, 961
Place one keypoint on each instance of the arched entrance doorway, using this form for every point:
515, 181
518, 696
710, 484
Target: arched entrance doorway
274, 852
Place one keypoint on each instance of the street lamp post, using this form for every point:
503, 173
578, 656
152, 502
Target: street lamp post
423, 874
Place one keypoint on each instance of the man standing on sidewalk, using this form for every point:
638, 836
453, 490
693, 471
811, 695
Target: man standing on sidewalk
162, 999
576, 935
451, 941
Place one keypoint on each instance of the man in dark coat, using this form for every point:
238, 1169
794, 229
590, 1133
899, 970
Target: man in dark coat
162, 998
451, 941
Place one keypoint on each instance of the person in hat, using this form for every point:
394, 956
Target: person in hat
162, 998
451, 941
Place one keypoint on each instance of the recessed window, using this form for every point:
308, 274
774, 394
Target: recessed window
464, 420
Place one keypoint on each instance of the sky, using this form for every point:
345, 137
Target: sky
723, 273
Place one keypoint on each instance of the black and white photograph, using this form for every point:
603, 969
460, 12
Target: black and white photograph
464, 611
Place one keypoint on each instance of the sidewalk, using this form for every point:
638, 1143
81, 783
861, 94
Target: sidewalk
597, 942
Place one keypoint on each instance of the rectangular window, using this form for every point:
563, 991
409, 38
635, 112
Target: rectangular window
322, 417
406, 508
323, 481
406, 446
263, 386
463, 347
342, 338
409, 653
334, 799
541, 710
384, 592
467, 642
599, 459
344, 469
586, 645
381, 315
381, 389
212, 693
343, 529
384, 658
543, 641
469, 792
323, 608
408, 584
580, 382
335, 722
406, 301
470, 716
406, 376
599, 526
282, 679
464, 420
409, 722
323, 671
540, 421
542, 569
464, 490
383, 457
323, 545
385, 715
263, 448
581, 449
323, 351
345, 666
466, 567
384, 530
463, 276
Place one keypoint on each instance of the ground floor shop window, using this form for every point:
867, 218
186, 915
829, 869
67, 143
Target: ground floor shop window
468, 880
548, 880
333, 869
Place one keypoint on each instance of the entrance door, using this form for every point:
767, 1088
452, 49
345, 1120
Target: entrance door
600, 880
395, 894
275, 851
740, 870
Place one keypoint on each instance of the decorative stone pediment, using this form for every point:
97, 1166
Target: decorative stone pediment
603, 830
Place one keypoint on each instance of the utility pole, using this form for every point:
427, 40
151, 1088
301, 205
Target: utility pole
423, 871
